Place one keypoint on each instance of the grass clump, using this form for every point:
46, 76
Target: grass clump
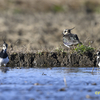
82, 49
92, 6
18, 11
59, 50
97, 9
57, 8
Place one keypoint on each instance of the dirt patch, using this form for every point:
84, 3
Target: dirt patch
44, 31
38, 27
51, 59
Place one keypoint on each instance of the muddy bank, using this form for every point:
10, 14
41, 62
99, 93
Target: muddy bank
51, 59
24, 25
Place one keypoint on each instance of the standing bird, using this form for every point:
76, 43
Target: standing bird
3, 55
70, 39
98, 58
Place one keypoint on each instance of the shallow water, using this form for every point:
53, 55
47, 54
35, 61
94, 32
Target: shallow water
58, 83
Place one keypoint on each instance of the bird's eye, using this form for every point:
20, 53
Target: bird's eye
65, 31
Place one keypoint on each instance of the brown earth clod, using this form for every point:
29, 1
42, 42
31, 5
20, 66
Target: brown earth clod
51, 59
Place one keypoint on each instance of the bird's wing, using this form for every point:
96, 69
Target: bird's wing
3, 55
74, 38
98, 59
66, 41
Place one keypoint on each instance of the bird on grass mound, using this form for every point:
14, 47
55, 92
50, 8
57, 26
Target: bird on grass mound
70, 39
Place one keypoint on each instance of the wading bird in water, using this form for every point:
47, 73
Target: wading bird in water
98, 58
4, 59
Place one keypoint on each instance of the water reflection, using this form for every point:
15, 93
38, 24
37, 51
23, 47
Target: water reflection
4, 69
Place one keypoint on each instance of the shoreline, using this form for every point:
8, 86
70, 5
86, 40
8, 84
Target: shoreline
52, 59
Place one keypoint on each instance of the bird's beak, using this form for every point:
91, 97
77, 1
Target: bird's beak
72, 28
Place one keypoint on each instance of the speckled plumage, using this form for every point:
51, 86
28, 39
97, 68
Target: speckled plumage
70, 39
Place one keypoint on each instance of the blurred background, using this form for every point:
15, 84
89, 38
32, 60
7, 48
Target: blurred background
38, 24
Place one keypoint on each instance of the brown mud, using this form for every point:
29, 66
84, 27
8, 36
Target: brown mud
52, 59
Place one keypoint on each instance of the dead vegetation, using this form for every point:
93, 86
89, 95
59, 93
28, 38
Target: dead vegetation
38, 24
31, 6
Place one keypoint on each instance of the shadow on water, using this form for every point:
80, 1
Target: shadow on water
58, 83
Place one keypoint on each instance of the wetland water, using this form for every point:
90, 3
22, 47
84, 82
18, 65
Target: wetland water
49, 84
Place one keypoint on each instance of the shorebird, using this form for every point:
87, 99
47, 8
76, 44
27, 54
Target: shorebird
98, 58
70, 39
4, 59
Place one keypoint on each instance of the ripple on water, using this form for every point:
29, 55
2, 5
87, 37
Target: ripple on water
46, 83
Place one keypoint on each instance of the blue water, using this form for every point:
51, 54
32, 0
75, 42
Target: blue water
46, 84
